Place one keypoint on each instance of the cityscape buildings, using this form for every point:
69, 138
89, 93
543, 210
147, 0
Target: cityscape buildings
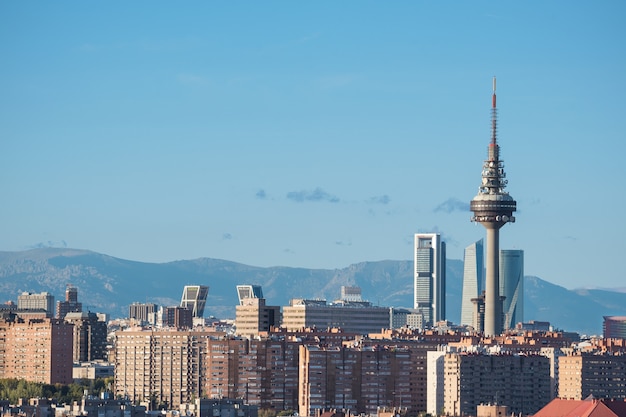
493, 207
429, 280
472, 280
512, 286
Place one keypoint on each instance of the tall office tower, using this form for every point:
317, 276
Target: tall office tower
194, 298
472, 280
493, 207
42, 301
429, 277
512, 286
249, 291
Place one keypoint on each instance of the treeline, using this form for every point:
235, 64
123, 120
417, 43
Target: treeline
14, 389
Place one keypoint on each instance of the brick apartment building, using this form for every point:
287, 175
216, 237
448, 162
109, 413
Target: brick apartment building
522, 382
36, 349
600, 375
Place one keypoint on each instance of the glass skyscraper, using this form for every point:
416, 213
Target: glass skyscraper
194, 298
512, 286
473, 267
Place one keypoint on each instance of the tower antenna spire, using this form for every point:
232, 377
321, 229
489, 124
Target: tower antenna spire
493, 207
494, 115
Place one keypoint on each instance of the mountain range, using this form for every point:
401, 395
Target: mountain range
109, 285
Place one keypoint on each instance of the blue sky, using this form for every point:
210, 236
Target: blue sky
313, 134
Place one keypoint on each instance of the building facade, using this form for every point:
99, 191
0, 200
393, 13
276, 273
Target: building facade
429, 278
600, 375
252, 317
356, 379
512, 286
194, 298
351, 317
41, 301
37, 350
614, 327
521, 382
164, 366
70, 304
473, 267
90, 336
143, 312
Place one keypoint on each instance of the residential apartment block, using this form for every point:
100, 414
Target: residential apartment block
164, 363
600, 375
521, 382
37, 350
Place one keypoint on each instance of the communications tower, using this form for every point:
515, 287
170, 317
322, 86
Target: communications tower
493, 207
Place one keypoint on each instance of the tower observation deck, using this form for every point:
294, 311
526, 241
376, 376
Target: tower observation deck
493, 207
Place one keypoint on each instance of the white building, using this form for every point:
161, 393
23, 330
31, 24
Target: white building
429, 275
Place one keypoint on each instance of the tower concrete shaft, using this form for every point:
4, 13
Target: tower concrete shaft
493, 207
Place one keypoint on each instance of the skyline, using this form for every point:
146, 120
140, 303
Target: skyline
312, 136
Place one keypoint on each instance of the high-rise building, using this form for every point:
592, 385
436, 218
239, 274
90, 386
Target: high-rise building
614, 327
493, 207
164, 364
429, 277
70, 304
521, 382
42, 301
37, 350
194, 298
90, 336
472, 280
512, 286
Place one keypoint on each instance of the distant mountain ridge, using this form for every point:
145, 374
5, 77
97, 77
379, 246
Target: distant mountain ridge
110, 285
